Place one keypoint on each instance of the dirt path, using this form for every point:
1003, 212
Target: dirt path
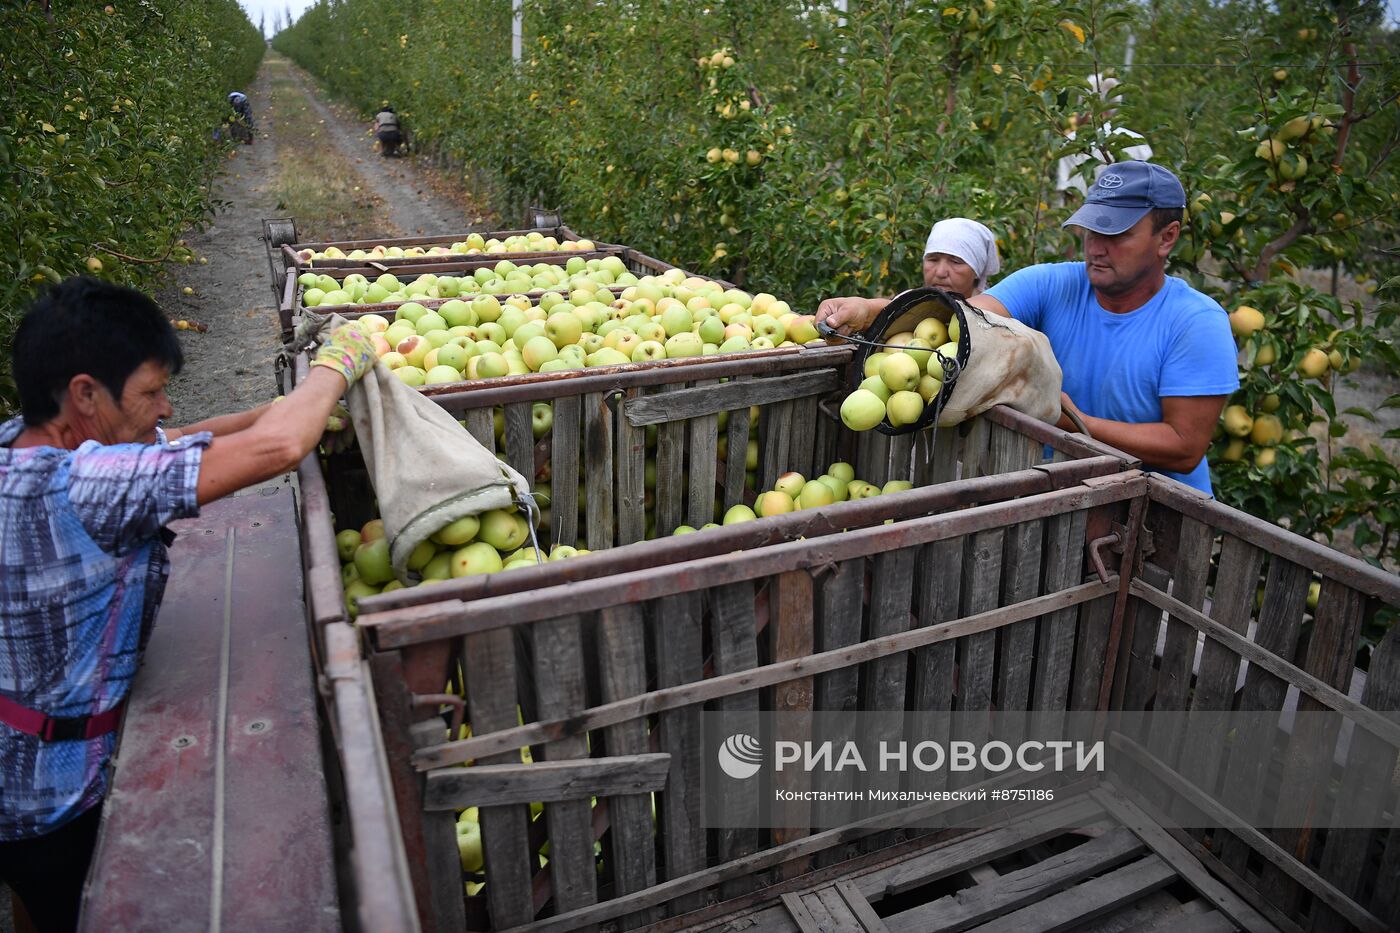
230, 367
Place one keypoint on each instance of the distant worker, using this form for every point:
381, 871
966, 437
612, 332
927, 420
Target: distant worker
387, 131
241, 121
1068, 175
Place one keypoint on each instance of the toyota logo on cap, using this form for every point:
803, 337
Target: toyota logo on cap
1111, 181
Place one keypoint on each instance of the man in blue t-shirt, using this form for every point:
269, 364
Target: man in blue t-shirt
1148, 361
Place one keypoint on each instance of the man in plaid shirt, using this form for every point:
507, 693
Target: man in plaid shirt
88, 481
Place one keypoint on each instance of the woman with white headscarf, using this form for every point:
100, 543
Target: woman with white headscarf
959, 256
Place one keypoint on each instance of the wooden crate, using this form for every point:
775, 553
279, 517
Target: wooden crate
288, 252
841, 611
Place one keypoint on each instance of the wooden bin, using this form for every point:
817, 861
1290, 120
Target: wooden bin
612, 672
290, 308
288, 252
415, 636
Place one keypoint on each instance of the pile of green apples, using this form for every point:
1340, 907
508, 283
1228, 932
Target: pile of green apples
793, 492
657, 319
901, 381
478, 544
505, 278
474, 245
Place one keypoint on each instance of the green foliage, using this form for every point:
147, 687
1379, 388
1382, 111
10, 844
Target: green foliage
872, 124
107, 140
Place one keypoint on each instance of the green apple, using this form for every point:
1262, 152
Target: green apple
683, 345
872, 364
459, 532
900, 372
346, 542
648, 351
372, 561
491, 365
430, 322
606, 356
453, 355
815, 494
356, 590
790, 483
896, 485
442, 375
862, 410
739, 513
410, 311
904, 408
773, 503
563, 328
538, 351
836, 485
877, 386
411, 375
475, 559
541, 419
457, 312
860, 489
423, 552
505, 531
735, 344
842, 471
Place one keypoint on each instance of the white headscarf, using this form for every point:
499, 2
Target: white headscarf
968, 240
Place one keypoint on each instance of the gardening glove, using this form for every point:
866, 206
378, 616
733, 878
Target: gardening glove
348, 351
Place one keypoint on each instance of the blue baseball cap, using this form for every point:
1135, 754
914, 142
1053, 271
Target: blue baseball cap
1123, 195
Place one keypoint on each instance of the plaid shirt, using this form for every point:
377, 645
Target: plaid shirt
82, 570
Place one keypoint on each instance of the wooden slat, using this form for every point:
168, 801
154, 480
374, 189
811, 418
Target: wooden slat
946, 452
860, 908
775, 438
1246, 790
711, 398
559, 691
440, 836
1054, 655
799, 913
631, 480
569, 779
840, 597
1219, 666
737, 451
1016, 643
622, 672
938, 595
1189, 579
734, 646
704, 437
899, 456
976, 459
676, 624
670, 474
840, 601
489, 661
1141, 670
1345, 855
791, 608
1185, 864
1081, 903
563, 463
1331, 658
885, 680
598, 474
991, 899
802, 448
981, 591
393, 700
520, 439
482, 426
876, 466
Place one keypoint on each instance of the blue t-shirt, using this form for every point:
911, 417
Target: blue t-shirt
1121, 366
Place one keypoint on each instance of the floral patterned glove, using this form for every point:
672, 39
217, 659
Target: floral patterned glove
348, 351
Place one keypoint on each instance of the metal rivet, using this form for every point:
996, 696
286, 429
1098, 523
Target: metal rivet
257, 725
183, 741
257, 524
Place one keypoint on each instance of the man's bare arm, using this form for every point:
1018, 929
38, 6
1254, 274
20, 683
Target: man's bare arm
1176, 443
988, 303
221, 425
276, 441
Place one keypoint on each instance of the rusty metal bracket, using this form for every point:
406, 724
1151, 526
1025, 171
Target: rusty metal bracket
459, 708
1114, 541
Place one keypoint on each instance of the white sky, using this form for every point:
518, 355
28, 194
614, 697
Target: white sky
274, 8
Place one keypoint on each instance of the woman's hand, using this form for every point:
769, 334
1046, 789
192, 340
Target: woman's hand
848, 315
